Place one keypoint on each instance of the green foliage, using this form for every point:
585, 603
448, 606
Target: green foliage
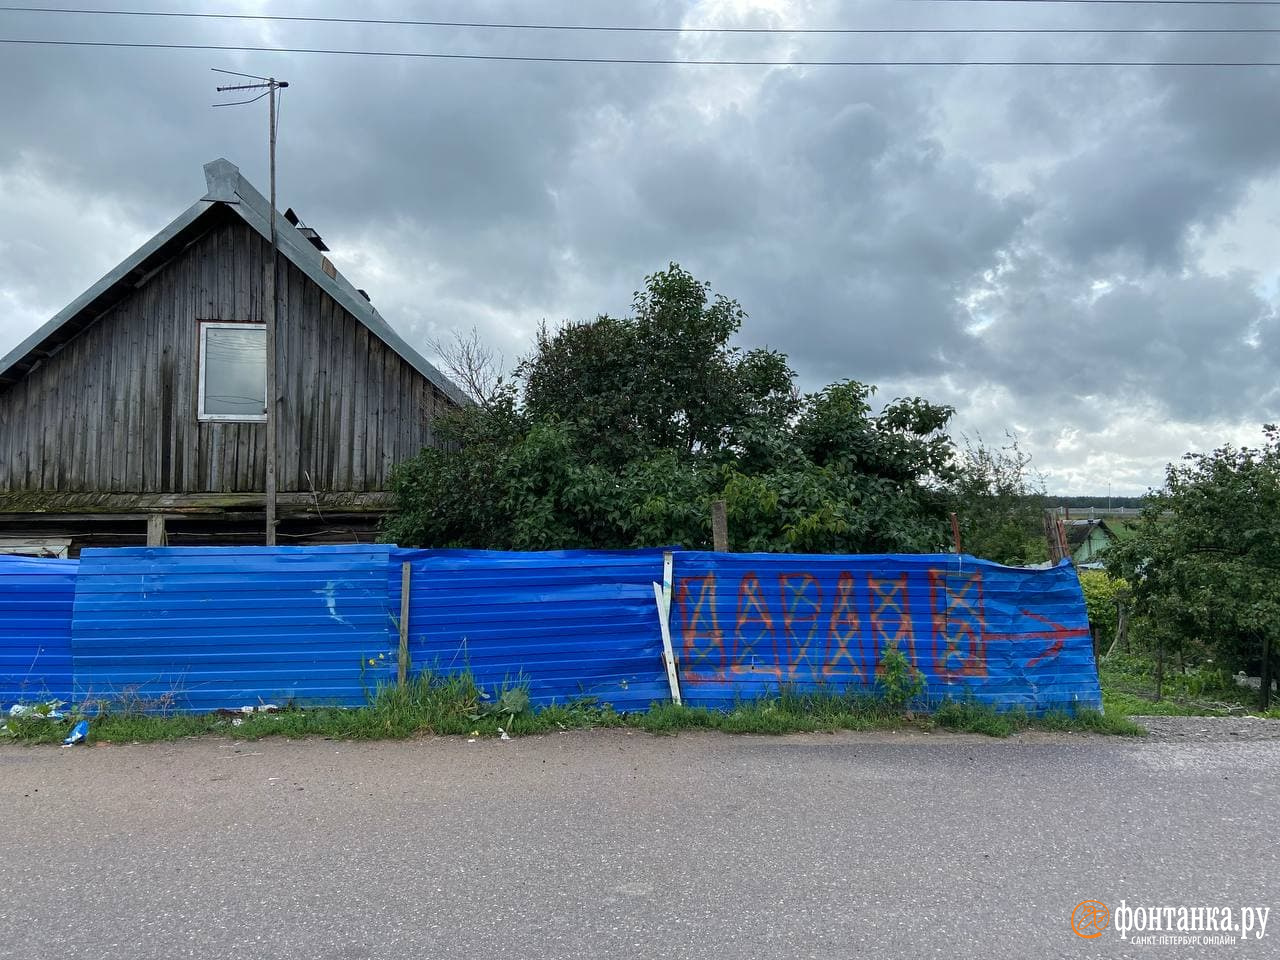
511, 703
897, 679
790, 711
1207, 689
969, 717
1120, 704
428, 703
974, 718
999, 501
1102, 597
1204, 561
1089, 721
625, 430
453, 705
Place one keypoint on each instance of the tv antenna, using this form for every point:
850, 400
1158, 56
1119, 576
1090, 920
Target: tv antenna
270, 88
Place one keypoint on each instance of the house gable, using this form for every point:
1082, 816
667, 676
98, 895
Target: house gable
107, 403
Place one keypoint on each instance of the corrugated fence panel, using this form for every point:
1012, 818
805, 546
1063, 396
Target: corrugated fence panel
36, 597
196, 629
202, 628
1034, 632
577, 623
745, 623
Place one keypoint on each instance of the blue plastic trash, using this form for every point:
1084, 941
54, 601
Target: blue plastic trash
79, 734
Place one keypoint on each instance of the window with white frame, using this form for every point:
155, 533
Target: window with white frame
233, 371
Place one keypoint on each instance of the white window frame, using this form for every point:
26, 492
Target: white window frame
205, 326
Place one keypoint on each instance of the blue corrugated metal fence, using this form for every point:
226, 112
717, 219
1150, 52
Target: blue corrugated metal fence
572, 624
35, 629
202, 628
196, 629
1007, 636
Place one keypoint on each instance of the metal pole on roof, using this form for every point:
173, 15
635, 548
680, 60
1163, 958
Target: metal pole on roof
272, 88
273, 399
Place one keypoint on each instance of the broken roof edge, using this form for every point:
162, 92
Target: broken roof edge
226, 184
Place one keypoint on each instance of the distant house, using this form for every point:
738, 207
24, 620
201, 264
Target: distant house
140, 409
1088, 540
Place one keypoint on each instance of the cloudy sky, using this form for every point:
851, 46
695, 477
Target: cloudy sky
1088, 256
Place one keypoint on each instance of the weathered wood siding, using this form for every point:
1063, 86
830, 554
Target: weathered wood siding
116, 409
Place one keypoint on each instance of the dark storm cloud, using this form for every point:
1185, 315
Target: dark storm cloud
1026, 243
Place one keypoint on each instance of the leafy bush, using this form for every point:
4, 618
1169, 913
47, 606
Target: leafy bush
1204, 562
1102, 596
621, 432
897, 679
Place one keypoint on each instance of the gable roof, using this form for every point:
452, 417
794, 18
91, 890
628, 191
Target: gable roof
227, 190
1078, 531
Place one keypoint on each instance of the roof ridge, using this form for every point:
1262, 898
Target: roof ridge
222, 175
227, 186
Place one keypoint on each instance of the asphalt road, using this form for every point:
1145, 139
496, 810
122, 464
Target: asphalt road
615, 844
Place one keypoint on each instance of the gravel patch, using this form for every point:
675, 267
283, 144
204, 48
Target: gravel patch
1209, 728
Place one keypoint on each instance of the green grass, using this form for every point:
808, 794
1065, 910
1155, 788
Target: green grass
454, 706
790, 711
426, 705
1128, 689
978, 718
1134, 705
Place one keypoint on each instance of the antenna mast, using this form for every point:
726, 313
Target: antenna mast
270, 88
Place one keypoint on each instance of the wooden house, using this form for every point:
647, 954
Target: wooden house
1088, 540
137, 414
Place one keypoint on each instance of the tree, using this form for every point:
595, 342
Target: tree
1204, 565
474, 366
999, 500
665, 378
619, 432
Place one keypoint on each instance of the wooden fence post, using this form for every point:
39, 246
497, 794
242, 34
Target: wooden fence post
155, 530
719, 526
402, 670
1264, 698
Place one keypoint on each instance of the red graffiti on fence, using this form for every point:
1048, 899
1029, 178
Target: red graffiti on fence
890, 617
959, 644
754, 615
844, 633
794, 629
703, 638
802, 609
1056, 634
798, 648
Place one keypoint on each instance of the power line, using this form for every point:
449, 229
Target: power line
514, 58
602, 28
